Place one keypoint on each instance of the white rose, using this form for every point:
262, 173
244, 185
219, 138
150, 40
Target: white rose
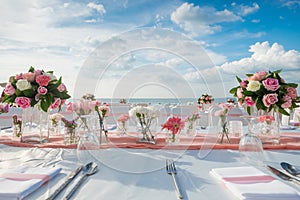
50, 75
23, 84
253, 86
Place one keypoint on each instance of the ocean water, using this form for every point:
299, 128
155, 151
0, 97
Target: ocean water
155, 101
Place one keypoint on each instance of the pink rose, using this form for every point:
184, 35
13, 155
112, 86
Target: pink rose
258, 76
38, 72
292, 92
56, 103
42, 90
29, 76
271, 84
19, 76
243, 84
61, 87
23, 102
249, 101
43, 80
239, 93
9, 89
287, 104
270, 99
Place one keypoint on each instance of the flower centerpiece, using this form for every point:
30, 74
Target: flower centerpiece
266, 91
205, 101
36, 92
84, 109
122, 123
268, 94
174, 125
70, 136
223, 123
191, 123
33, 87
145, 116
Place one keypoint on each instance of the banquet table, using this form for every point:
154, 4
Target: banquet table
138, 171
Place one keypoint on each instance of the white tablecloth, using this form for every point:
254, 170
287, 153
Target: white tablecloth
138, 173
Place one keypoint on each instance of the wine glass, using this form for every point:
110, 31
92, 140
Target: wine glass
250, 145
87, 147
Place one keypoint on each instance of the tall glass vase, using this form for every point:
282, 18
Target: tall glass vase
269, 127
34, 125
222, 129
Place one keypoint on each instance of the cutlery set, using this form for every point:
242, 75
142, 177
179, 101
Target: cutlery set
290, 172
91, 168
87, 170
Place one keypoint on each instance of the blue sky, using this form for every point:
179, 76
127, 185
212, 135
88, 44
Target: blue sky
237, 37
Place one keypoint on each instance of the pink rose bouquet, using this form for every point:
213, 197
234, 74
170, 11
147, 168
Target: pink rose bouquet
36, 86
205, 99
266, 91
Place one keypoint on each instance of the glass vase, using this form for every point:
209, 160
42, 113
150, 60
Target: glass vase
54, 128
122, 127
147, 128
70, 136
34, 125
190, 129
222, 129
172, 138
269, 127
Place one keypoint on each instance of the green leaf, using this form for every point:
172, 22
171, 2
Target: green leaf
44, 105
233, 90
249, 110
31, 69
29, 93
238, 79
283, 111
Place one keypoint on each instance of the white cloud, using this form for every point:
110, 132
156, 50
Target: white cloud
201, 21
246, 10
99, 7
265, 57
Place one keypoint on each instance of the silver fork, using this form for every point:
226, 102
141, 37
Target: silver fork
171, 170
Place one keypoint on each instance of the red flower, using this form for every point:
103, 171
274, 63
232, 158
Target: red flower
174, 124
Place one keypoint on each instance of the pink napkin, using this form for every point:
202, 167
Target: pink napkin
20, 182
252, 184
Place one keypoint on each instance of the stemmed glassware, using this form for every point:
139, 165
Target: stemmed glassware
250, 146
88, 144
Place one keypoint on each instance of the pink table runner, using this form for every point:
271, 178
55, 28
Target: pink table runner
288, 140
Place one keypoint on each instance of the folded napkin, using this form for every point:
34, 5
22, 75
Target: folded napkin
20, 182
251, 183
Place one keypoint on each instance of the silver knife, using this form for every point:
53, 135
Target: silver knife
283, 175
67, 181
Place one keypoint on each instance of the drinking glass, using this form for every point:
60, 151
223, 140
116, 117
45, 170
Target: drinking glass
87, 147
250, 145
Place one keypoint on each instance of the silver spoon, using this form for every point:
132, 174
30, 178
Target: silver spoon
89, 169
290, 168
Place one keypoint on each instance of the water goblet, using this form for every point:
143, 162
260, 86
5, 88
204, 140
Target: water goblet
87, 147
250, 145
